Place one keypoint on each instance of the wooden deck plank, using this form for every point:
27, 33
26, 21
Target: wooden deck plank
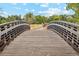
39, 42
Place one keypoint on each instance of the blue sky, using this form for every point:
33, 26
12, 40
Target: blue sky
46, 9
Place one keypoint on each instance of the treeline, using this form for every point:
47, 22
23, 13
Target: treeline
9, 18
38, 19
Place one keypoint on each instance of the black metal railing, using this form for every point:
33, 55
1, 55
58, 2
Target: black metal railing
73, 26
68, 31
9, 31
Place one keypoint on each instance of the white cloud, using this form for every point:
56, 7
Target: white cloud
54, 11
26, 9
40, 12
65, 8
44, 5
4, 13
18, 8
33, 10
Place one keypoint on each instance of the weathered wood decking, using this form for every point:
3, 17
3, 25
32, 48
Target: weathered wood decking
38, 42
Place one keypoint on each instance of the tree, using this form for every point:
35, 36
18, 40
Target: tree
40, 19
14, 17
54, 18
2, 19
74, 7
29, 18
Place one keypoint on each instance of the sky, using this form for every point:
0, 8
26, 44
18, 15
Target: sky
46, 9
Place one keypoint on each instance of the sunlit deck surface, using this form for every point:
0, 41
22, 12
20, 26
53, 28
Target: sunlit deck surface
39, 42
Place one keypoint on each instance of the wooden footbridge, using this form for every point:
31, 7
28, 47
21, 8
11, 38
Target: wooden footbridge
58, 38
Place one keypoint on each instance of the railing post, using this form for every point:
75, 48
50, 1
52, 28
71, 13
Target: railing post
68, 31
9, 31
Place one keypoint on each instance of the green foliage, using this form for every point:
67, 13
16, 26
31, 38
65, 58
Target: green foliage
56, 18
74, 7
29, 17
2, 20
9, 18
32, 19
40, 19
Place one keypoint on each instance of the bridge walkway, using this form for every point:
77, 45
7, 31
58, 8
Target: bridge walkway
38, 42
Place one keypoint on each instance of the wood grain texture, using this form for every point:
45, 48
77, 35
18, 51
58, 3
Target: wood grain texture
39, 42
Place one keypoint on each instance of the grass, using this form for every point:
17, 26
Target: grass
36, 26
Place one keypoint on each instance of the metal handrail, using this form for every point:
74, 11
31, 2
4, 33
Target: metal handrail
10, 30
69, 34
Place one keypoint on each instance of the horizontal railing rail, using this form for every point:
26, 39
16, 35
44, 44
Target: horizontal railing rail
10, 30
69, 34
73, 26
